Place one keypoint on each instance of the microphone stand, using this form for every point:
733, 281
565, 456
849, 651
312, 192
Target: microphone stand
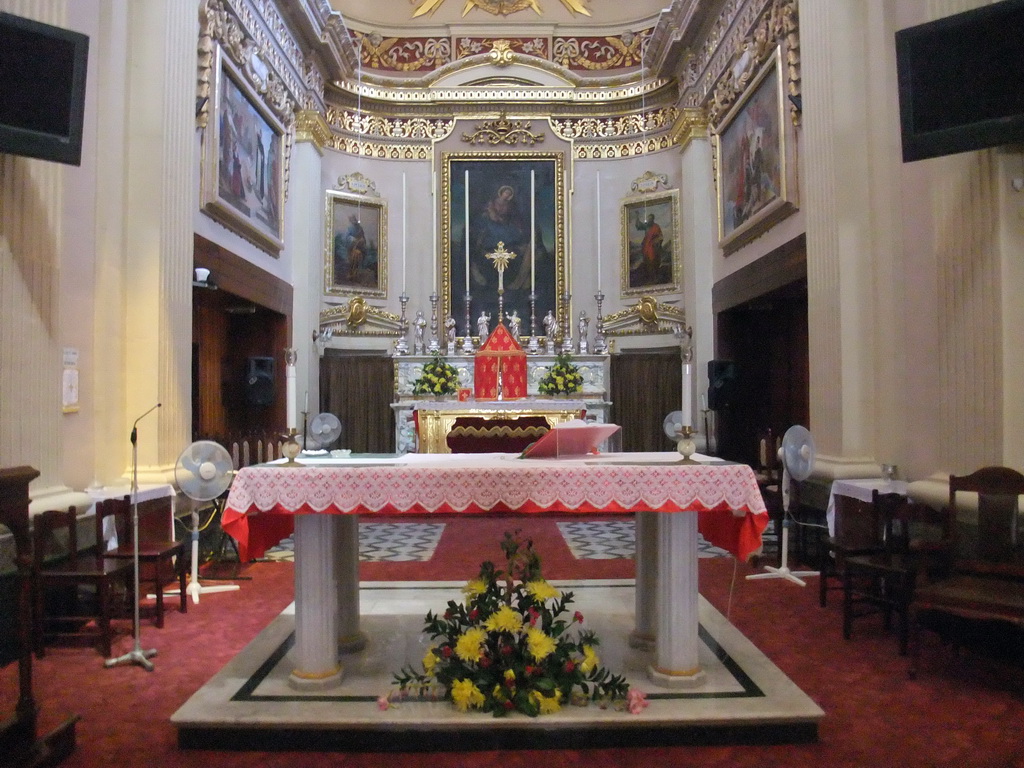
136, 655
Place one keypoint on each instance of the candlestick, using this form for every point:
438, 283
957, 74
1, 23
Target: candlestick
402, 345
465, 187
404, 230
467, 339
433, 218
533, 233
597, 230
305, 407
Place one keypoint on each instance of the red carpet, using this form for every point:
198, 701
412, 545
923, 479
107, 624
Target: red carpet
962, 712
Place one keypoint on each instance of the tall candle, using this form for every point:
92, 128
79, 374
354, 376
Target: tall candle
433, 219
597, 229
687, 394
404, 230
465, 187
533, 233
289, 393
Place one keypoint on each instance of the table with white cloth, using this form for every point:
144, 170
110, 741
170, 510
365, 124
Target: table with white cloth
327, 497
860, 490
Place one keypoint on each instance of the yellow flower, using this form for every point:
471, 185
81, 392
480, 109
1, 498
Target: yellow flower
538, 643
474, 587
510, 675
542, 590
547, 704
466, 695
430, 661
469, 646
590, 660
504, 620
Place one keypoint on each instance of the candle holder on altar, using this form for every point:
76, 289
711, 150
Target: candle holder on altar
402, 345
291, 448
467, 338
433, 346
567, 317
600, 344
533, 345
686, 445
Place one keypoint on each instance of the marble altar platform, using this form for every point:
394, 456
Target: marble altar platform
249, 705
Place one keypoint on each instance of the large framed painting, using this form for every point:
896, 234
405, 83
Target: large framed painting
513, 201
355, 246
755, 166
651, 244
243, 160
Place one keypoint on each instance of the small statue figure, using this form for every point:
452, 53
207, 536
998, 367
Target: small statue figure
418, 345
513, 324
584, 324
482, 323
449, 330
549, 332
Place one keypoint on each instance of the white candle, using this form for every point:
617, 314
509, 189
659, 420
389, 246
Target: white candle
533, 234
305, 408
687, 394
465, 187
597, 229
289, 394
404, 230
433, 218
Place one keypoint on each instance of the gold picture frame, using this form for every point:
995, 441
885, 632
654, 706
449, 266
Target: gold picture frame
755, 161
355, 246
243, 159
651, 236
501, 186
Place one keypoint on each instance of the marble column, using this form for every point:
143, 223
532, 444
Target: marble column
315, 654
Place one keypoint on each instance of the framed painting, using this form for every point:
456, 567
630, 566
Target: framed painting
513, 201
650, 244
243, 160
355, 246
755, 170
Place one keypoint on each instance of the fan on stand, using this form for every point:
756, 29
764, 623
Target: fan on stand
322, 431
680, 434
203, 472
797, 457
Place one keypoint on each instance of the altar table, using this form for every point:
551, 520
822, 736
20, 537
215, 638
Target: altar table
327, 496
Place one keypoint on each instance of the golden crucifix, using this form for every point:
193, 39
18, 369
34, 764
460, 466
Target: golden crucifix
501, 257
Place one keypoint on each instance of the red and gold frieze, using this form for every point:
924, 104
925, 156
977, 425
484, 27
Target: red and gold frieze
529, 46
599, 53
402, 54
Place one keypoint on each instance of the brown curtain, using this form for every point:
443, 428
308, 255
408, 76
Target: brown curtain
645, 388
358, 390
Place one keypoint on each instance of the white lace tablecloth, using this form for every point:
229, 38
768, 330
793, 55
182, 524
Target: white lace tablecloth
481, 483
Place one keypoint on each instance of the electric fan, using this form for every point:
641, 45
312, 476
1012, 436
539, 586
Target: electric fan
203, 472
676, 432
797, 457
322, 431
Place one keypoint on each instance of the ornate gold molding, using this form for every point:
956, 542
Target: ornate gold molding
357, 318
499, 7
501, 54
503, 131
651, 121
647, 316
649, 182
310, 126
691, 123
357, 184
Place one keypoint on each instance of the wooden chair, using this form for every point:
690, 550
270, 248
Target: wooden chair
918, 539
157, 559
769, 480
986, 578
57, 564
859, 530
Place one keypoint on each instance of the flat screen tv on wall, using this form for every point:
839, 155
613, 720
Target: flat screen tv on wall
42, 89
961, 81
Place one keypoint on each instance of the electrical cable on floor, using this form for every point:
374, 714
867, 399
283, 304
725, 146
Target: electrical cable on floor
732, 586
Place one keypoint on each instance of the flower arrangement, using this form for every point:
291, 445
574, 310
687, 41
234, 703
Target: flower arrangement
563, 378
510, 647
439, 378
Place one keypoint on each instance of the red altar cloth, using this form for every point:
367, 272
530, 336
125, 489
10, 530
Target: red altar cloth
731, 511
500, 356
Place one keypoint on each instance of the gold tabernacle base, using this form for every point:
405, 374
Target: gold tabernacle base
437, 422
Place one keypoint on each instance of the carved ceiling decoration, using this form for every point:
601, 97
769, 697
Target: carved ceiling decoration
588, 54
503, 131
499, 7
647, 316
649, 182
357, 184
621, 126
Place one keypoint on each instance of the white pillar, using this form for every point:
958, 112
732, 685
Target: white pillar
350, 638
645, 618
315, 654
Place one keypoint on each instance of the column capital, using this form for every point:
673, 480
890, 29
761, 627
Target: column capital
311, 126
692, 123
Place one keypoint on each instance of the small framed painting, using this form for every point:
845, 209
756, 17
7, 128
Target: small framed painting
650, 244
355, 248
755, 167
243, 160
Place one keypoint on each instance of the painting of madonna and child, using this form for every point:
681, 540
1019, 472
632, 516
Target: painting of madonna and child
514, 203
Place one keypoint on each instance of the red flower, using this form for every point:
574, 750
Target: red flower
485, 661
507, 650
508, 704
577, 617
473, 614
446, 651
447, 615
534, 614
570, 665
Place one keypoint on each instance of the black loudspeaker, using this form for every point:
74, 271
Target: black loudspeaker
259, 381
721, 383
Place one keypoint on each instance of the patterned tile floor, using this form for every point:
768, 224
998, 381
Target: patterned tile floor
416, 542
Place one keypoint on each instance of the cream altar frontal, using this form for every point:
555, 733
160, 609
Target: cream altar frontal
671, 502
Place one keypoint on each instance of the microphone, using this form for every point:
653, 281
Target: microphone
135, 426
